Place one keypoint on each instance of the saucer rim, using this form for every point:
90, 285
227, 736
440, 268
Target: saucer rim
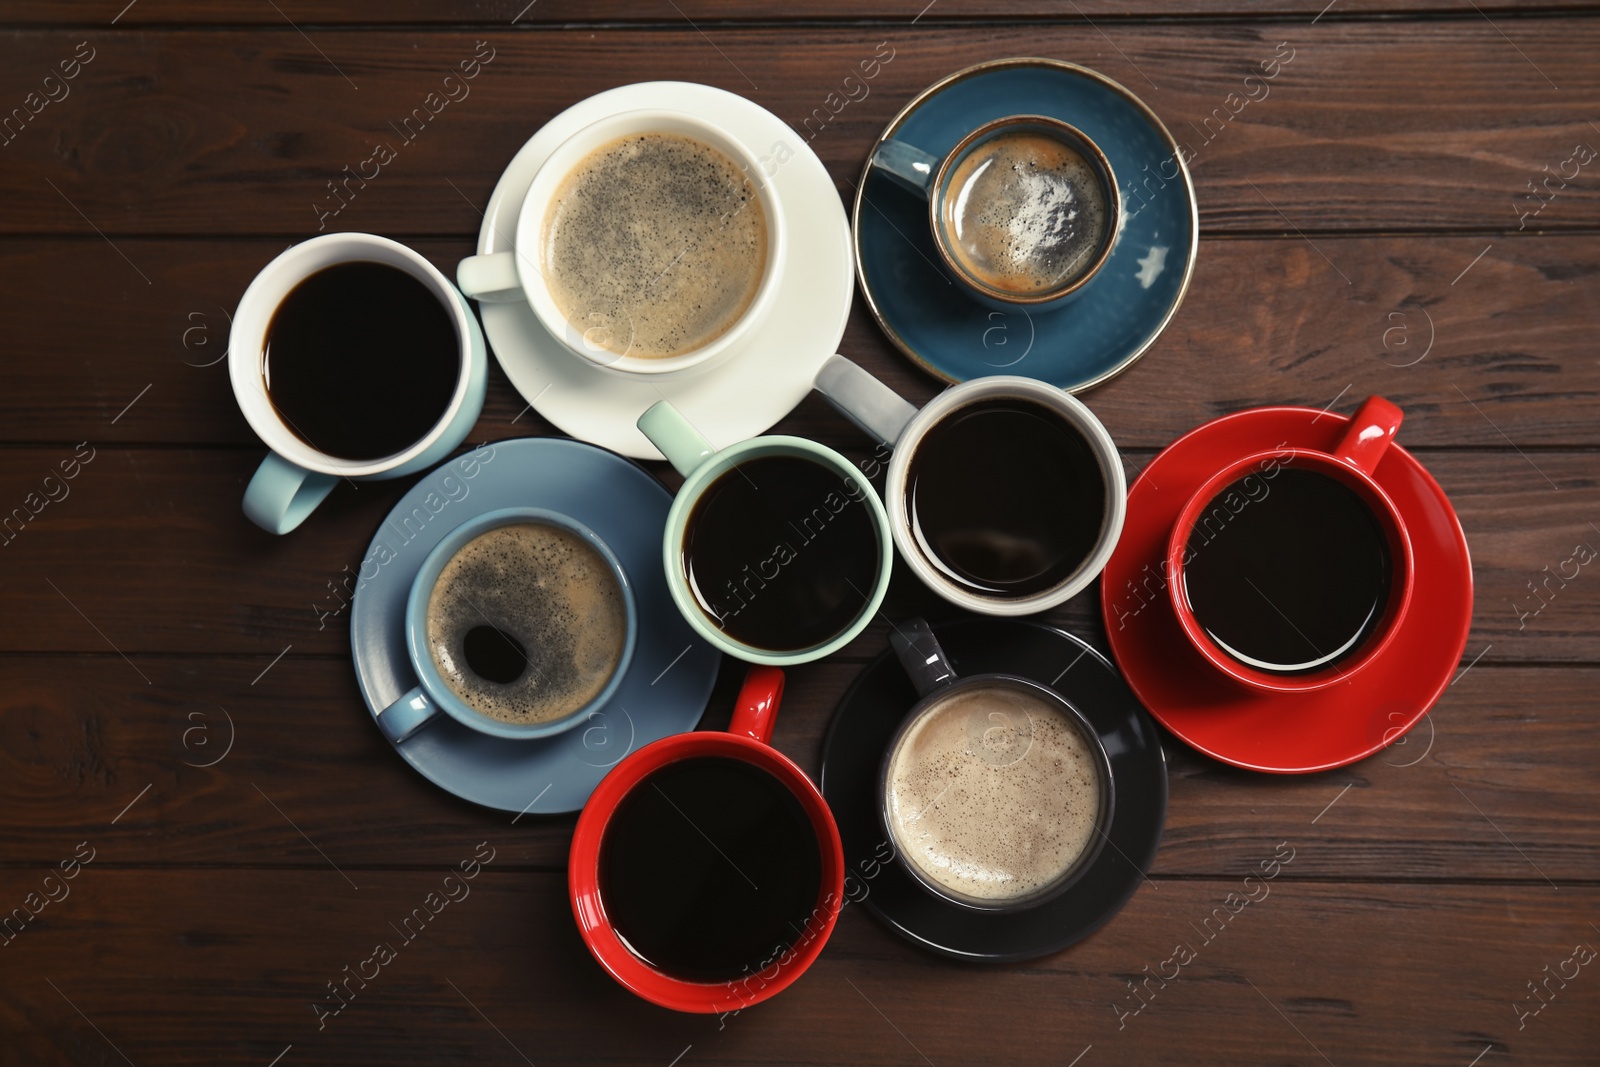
1414, 468
977, 70
1127, 720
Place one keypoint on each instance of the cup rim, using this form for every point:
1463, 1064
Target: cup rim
588, 904
1103, 820
1080, 142
1074, 411
713, 467
1386, 513
422, 585
555, 169
249, 327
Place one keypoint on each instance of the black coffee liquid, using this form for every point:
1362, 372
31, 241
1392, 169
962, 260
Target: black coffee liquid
361, 360
782, 553
494, 654
710, 868
1288, 574
1005, 497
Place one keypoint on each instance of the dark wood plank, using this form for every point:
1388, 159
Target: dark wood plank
149, 148
499, 13
81, 742
1265, 322
205, 966
148, 552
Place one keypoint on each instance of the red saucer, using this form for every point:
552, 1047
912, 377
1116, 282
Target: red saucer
1285, 733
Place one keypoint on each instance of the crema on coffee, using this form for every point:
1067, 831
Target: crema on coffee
993, 793
654, 245
1024, 212
526, 623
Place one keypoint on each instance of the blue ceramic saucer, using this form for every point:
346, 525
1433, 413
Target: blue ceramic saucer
1122, 309
668, 680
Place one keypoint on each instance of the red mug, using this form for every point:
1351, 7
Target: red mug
746, 739
1351, 463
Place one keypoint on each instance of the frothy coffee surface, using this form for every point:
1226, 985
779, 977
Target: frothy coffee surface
993, 794
526, 623
654, 245
1025, 212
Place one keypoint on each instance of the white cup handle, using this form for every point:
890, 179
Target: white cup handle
490, 279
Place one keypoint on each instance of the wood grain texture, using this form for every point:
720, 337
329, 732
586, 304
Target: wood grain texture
501, 976
521, 12
1264, 322
1368, 126
78, 743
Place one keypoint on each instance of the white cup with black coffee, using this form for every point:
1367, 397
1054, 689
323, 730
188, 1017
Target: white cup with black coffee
353, 358
519, 624
650, 243
995, 791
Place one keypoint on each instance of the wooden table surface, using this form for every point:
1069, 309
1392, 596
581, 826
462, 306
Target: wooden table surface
1367, 228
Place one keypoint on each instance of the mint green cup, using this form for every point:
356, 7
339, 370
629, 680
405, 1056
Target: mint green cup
701, 465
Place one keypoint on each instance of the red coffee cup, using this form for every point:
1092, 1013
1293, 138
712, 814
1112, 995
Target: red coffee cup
746, 739
1351, 463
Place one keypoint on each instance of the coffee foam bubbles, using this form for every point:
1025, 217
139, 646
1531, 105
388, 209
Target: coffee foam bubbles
654, 245
549, 589
993, 793
1025, 212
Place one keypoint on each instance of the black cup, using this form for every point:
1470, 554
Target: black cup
995, 756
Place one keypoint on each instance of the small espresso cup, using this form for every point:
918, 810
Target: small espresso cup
787, 574
296, 477
1306, 594
1021, 548
995, 791
515, 638
1024, 209
518, 275
620, 872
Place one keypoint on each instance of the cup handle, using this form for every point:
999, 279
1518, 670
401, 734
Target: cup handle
1371, 429
407, 715
921, 656
864, 400
281, 495
490, 279
755, 712
682, 444
907, 165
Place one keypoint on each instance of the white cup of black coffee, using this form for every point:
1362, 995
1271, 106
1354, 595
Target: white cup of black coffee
1005, 495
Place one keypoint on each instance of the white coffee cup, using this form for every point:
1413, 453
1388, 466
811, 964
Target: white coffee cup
295, 478
884, 414
515, 275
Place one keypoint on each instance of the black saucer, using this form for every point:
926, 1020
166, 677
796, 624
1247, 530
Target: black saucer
865, 720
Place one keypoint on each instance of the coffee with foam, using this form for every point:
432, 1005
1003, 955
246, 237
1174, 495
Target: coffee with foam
993, 793
654, 245
526, 623
1024, 213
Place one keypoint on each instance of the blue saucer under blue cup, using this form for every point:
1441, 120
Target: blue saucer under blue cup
432, 695
661, 691
1117, 314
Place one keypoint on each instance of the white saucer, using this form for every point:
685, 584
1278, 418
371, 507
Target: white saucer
754, 388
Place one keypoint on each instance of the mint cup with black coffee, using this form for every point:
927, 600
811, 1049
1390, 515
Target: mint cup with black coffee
777, 549
1005, 494
995, 791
